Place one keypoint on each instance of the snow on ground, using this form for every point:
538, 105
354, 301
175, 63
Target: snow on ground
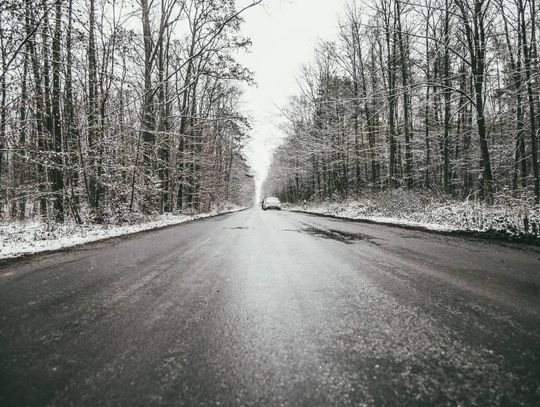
22, 238
351, 210
409, 209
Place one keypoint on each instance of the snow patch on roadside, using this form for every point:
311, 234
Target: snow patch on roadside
407, 209
346, 213
23, 238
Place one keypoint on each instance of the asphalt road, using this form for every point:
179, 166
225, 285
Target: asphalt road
273, 308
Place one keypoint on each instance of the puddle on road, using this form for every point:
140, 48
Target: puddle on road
239, 228
334, 234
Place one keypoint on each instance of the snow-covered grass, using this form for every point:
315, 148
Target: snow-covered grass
507, 216
22, 238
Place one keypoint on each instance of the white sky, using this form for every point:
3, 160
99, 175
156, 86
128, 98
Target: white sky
284, 34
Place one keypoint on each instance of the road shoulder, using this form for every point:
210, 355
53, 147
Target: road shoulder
14, 247
501, 237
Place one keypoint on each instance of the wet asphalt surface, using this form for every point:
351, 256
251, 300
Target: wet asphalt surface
273, 308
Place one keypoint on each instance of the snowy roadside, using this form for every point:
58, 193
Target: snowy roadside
384, 220
500, 221
23, 238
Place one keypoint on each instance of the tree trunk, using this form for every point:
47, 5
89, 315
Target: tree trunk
404, 60
56, 170
527, 55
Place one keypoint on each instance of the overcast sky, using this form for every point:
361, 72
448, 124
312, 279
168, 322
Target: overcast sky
284, 33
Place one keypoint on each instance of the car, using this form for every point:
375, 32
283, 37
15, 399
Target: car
271, 203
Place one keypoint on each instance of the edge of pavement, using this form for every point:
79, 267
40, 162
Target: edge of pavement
22, 256
517, 241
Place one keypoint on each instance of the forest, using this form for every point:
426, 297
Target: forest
115, 107
431, 98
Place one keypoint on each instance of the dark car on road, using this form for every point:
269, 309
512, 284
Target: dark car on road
271, 203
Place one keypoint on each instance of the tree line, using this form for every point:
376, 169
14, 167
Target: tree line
437, 95
110, 107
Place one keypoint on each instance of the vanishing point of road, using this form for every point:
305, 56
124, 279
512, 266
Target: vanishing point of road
273, 308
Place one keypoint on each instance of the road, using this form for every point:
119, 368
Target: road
273, 308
